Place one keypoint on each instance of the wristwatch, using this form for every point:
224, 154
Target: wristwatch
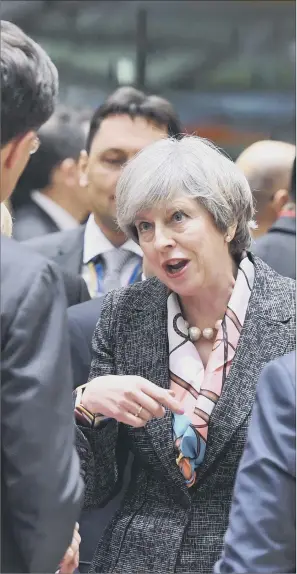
82, 415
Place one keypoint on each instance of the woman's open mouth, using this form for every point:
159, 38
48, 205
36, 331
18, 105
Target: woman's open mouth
175, 267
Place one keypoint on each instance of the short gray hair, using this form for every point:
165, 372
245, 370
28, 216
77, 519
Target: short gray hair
192, 167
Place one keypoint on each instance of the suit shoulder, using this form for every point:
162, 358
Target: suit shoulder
20, 268
49, 244
271, 241
30, 222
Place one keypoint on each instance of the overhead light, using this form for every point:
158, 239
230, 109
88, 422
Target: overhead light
125, 71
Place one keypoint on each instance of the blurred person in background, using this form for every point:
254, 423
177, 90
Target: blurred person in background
201, 330
261, 536
53, 197
41, 489
85, 116
127, 122
267, 165
278, 247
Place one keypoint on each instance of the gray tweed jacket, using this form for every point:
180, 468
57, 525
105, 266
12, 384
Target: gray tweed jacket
162, 526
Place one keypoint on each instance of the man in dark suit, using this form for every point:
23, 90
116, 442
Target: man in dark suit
123, 125
278, 246
261, 537
48, 196
75, 289
82, 320
41, 489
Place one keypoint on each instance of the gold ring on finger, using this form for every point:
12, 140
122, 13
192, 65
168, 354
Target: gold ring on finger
138, 412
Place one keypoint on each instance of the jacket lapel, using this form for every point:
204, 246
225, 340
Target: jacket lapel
70, 253
265, 336
149, 327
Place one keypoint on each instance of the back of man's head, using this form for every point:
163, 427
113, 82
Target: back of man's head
29, 87
29, 83
134, 103
267, 166
61, 137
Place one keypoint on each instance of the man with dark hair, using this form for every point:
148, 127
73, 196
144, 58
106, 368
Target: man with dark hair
41, 489
123, 125
278, 246
23, 111
49, 196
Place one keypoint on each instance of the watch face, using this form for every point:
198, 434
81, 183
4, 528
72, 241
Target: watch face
83, 416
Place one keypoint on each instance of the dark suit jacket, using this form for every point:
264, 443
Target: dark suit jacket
261, 537
75, 288
30, 220
65, 248
278, 247
82, 320
162, 526
41, 489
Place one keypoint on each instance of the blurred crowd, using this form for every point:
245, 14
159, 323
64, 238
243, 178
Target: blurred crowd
146, 282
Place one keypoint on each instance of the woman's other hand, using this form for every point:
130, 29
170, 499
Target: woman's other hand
131, 400
71, 559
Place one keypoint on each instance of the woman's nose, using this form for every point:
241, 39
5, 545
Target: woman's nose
163, 239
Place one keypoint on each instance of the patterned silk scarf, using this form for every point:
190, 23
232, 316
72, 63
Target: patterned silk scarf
197, 389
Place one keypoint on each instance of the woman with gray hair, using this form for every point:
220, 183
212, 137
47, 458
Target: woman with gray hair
176, 361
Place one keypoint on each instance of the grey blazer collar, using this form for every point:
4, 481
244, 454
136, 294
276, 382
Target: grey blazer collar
265, 336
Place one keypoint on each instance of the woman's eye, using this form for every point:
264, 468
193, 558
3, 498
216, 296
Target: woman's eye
114, 161
144, 226
178, 216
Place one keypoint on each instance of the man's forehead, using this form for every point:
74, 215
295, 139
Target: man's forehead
125, 133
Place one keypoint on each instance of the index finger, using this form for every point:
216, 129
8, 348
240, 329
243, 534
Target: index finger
162, 396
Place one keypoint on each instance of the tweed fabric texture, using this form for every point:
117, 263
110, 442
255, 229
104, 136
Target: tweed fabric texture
162, 526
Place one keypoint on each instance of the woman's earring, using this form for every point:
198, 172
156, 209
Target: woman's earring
228, 238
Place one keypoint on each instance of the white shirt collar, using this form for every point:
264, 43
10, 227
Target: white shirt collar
95, 242
58, 214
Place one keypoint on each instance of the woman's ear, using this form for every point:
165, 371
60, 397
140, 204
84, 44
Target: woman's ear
231, 233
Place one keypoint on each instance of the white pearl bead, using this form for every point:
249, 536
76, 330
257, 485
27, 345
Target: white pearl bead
218, 324
207, 333
194, 333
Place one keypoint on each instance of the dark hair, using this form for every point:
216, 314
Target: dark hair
61, 137
293, 182
132, 102
29, 83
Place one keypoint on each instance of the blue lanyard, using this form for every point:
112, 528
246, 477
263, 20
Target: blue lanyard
135, 273
100, 275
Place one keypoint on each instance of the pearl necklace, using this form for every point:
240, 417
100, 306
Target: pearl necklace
208, 333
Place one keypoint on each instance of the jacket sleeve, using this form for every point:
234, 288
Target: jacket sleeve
102, 448
261, 533
40, 467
